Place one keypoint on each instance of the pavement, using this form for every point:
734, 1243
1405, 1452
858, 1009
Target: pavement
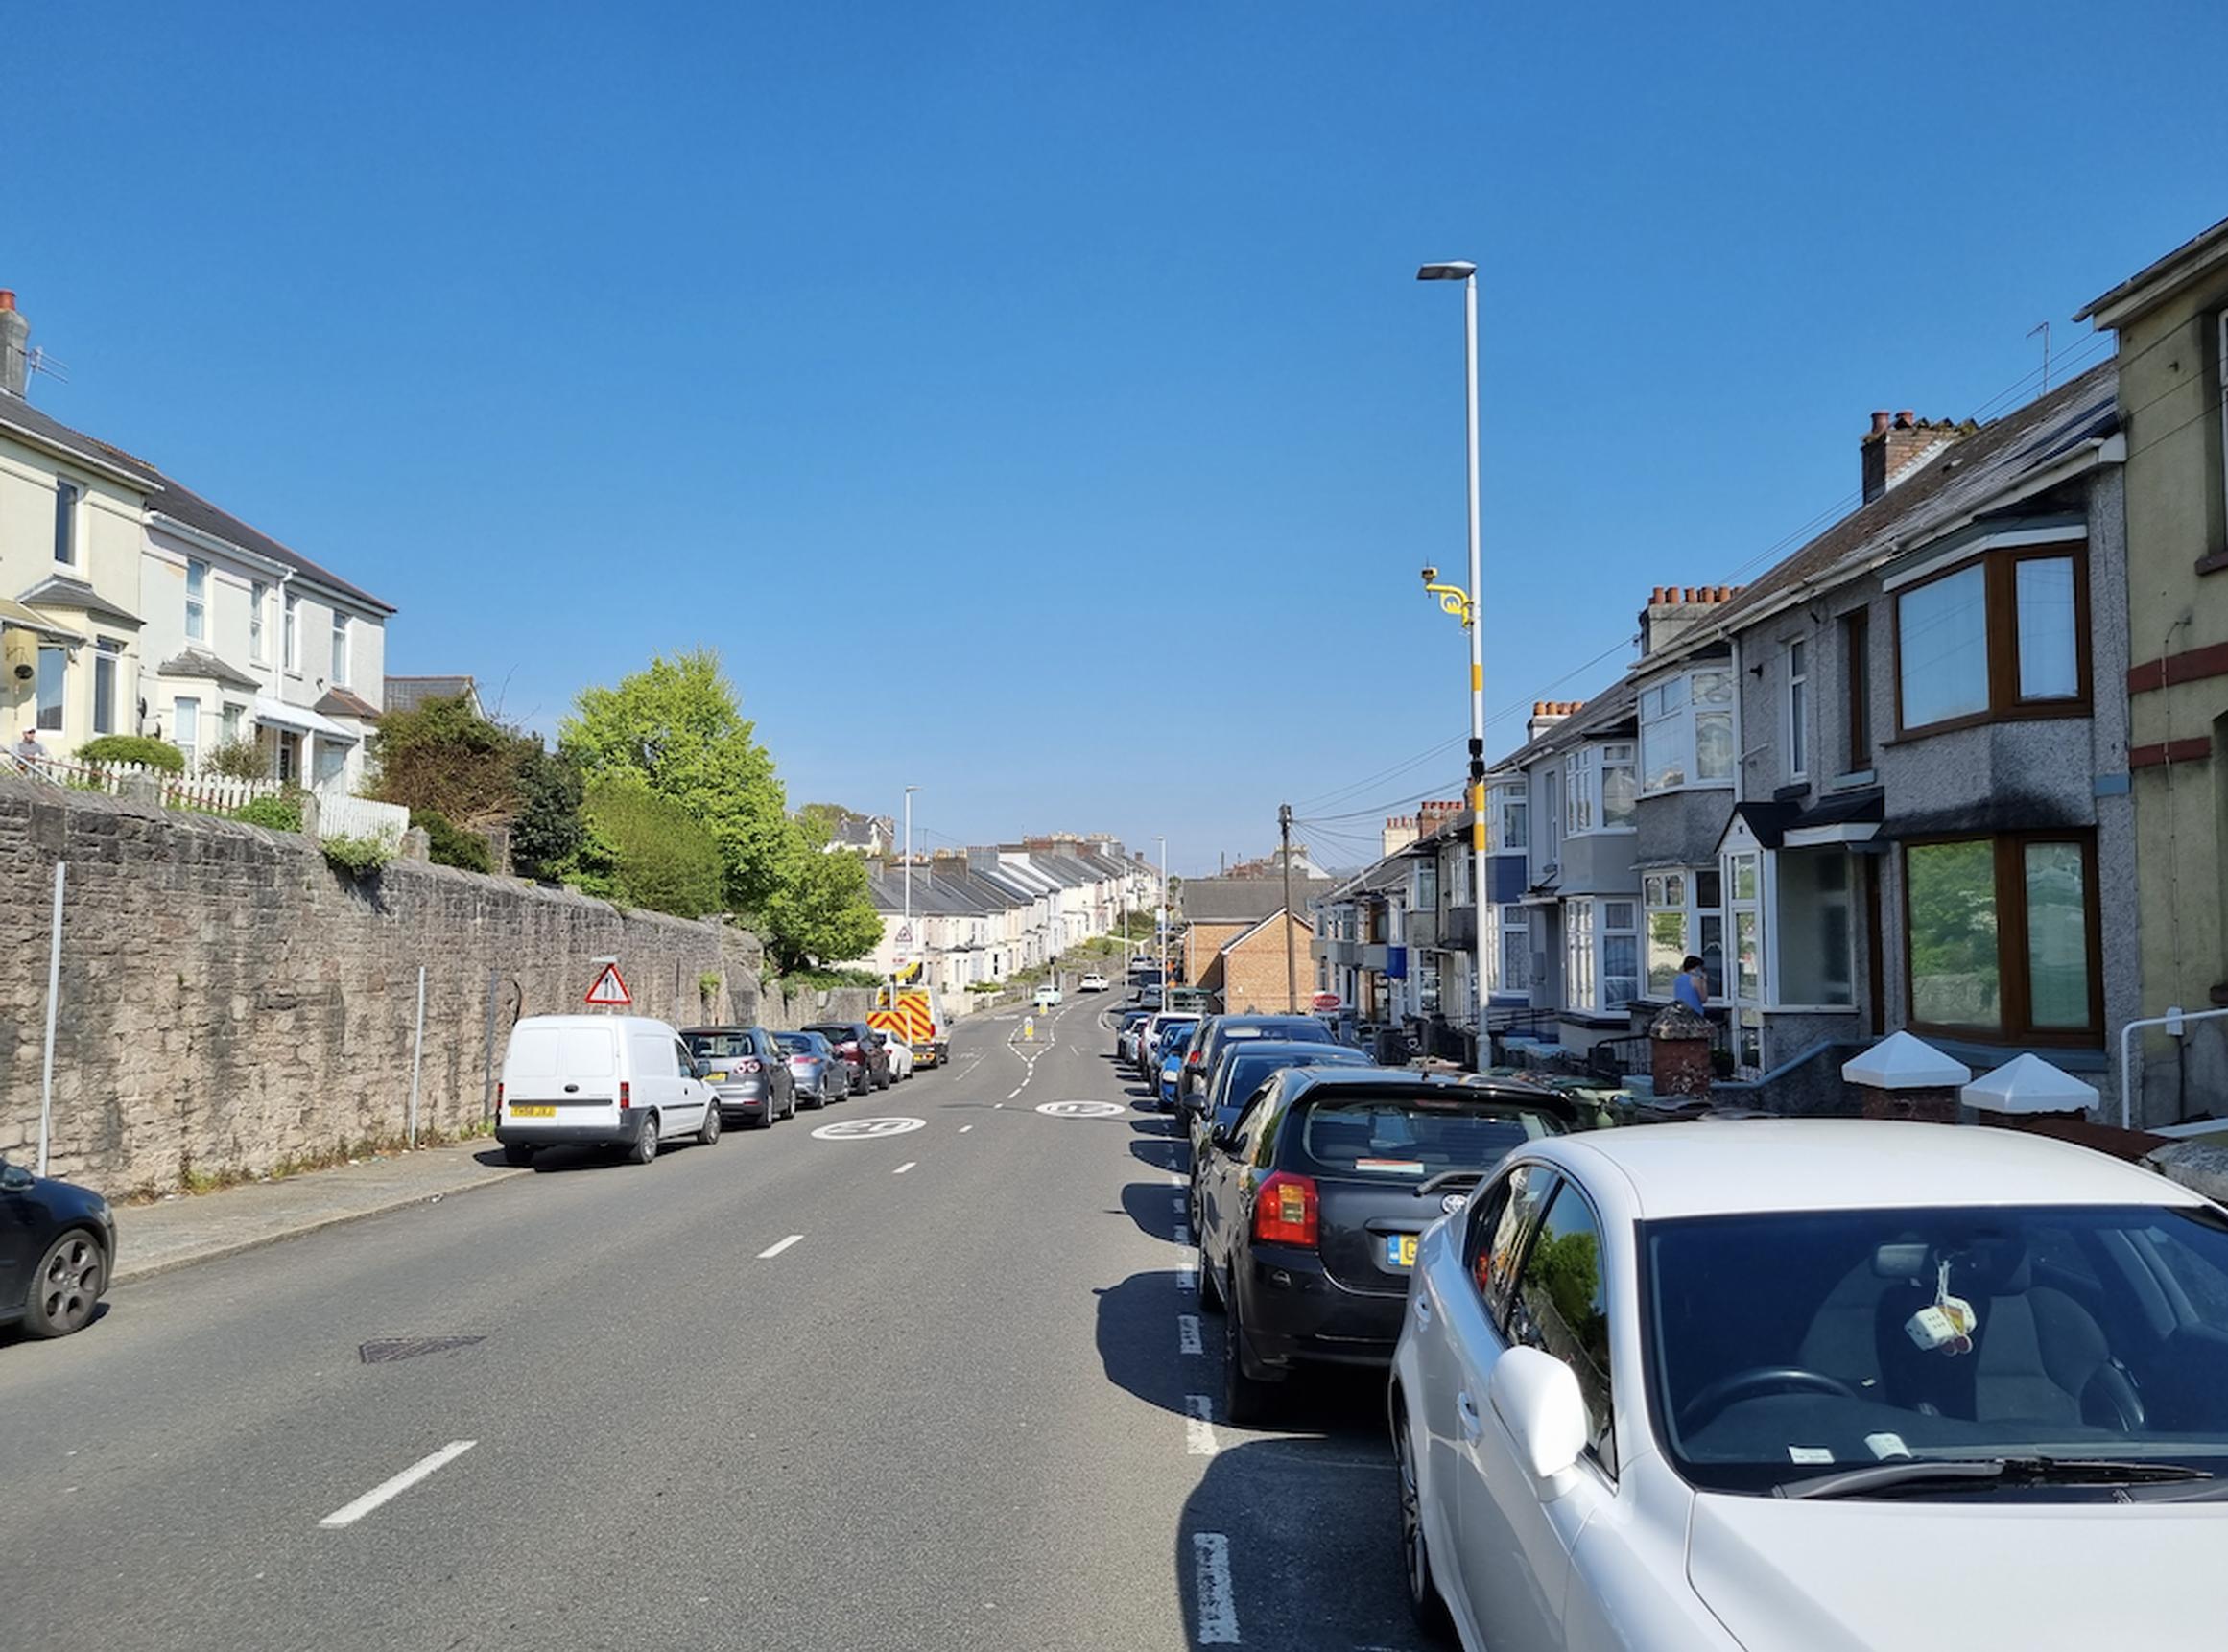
940, 1385
155, 1237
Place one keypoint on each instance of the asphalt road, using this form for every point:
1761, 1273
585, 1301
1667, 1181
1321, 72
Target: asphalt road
960, 1408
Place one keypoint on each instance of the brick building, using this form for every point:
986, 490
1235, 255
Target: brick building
1249, 973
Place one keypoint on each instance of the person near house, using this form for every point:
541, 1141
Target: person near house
1693, 986
28, 749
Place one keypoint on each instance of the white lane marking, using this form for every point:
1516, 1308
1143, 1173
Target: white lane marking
777, 1248
997, 1104
868, 1129
1188, 1333
1183, 1233
907, 1165
964, 1128
1012, 1093
1178, 1203
1217, 1621
349, 1514
1175, 1181
1199, 1426
1187, 1278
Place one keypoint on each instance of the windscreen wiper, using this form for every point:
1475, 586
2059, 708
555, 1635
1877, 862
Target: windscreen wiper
1964, 1473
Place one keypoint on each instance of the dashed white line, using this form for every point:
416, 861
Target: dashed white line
777, 1248
1174, 1180
1217, 1622
1199, 1426
1188, 1333
1183, 1233
964, 1128
907, 1165
349, 1514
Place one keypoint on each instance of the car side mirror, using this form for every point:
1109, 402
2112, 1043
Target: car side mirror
1536, 1396
14, 1178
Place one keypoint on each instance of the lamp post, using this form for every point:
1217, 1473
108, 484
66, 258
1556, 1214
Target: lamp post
907, 863
1163, 842
1463, 604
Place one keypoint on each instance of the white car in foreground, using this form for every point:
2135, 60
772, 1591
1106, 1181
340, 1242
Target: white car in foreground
1782, 1385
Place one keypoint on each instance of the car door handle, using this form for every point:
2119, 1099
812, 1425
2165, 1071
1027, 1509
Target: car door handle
1423, 1311
1466, 1410
572, 1090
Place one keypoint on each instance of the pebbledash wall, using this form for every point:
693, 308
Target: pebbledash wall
229, 1002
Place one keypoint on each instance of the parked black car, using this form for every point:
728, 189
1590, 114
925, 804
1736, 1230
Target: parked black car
1244, 1066
1217, 1032
57, 1245
1310, 1201
748, 1070
861, 1053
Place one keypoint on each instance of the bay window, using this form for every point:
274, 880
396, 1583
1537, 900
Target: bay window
54, 663
2001, 937
1685, 919
1685, 730
1599, 793
1816, 960
2004, 635
1515, 951
106, 654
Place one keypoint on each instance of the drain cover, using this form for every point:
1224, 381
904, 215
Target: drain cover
389, 1349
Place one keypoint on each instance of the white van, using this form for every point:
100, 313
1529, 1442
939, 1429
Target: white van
599, 1080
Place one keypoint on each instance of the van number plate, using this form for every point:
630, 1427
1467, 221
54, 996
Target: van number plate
1400, 1250
534, 1112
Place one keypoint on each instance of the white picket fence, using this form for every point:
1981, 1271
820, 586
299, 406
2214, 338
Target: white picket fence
338, 814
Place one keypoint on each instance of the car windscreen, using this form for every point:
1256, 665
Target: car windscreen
834, 1033
1404, 1136
1787, 1345
719, 1046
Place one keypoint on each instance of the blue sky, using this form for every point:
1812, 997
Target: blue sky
1033, 401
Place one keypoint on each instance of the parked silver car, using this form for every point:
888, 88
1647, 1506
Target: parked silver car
821, 1074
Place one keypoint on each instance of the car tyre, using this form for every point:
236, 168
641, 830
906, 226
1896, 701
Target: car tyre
1210, 1287
882, 1079
1423, 1590
1245, 1400
645, 1144
518, 1155
710, 1130
66, 1287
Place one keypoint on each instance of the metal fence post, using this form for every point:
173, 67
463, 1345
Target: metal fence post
53, 996
416, 1054
488, 1061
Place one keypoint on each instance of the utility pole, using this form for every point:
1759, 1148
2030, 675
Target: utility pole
1291, 960
1163, 842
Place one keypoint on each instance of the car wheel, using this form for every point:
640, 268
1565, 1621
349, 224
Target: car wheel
1210, 1287
766, 1114
66, 1287
1423, 1590
518, 1155
645, 1147
882, 1079
1245, 1398
710, 1131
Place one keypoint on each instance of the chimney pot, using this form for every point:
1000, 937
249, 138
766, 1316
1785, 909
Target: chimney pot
7, 299
1880, 420
1902, 419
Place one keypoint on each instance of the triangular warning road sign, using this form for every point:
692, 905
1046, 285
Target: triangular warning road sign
610, 990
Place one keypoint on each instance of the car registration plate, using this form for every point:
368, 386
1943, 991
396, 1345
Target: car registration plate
534, 1112
714, 1079
1400, 1250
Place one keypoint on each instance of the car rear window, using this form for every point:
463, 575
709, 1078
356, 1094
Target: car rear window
832, 1034
719, 1046
1304, 1030
1400, 1137
795, 1043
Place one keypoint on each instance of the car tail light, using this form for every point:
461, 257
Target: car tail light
1284, 1210
625, 1096
1194, 1058
748, 1064
499, 1096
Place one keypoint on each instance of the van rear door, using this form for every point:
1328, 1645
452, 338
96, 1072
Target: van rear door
572, 1070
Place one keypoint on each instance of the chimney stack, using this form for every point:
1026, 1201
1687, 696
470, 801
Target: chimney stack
1898, 444
1547, 713
14, 347
1673, 609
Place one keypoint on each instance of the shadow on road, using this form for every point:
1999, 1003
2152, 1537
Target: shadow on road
1156, 1207
1162, 1155
1137, 1339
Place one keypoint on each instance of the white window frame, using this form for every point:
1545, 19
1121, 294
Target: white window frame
1677, 724
1586, 775
1582, 987
107, 684
290, 629
1655, 899
183, 709
196, 600
339, 678
258, 598
69, 512
1457, 878
1798, 694
1511, 924
60, 703
1511, 805
1610, 929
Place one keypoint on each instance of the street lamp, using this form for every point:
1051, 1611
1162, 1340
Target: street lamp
1463, 606
907, 863
1163, 842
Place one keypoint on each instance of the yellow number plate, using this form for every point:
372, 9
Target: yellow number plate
714, 1079
1400, 1249
534, 1112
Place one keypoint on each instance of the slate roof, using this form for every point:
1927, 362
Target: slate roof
408, 694
340, 702
200, 662
58, 591
19, 413
1244, 899
1613, 712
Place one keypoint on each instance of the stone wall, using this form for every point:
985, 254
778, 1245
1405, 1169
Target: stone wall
230, 1002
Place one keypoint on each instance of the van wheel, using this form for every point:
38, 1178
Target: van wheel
645, 1147
710, 1132
517, 1156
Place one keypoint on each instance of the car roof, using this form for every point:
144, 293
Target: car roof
1514, 1092
1712, 1167
638, 1023
1296, 1046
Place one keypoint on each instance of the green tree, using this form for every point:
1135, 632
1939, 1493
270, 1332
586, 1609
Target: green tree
439, 758
644, 850
679, 728
547, 831
448, 844
820, 911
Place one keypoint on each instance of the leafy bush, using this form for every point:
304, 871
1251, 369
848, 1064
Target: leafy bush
450, 846
281, 811
132, 748
357, 856
238, 760
545, 832
985, 986
644, 850
822, 979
